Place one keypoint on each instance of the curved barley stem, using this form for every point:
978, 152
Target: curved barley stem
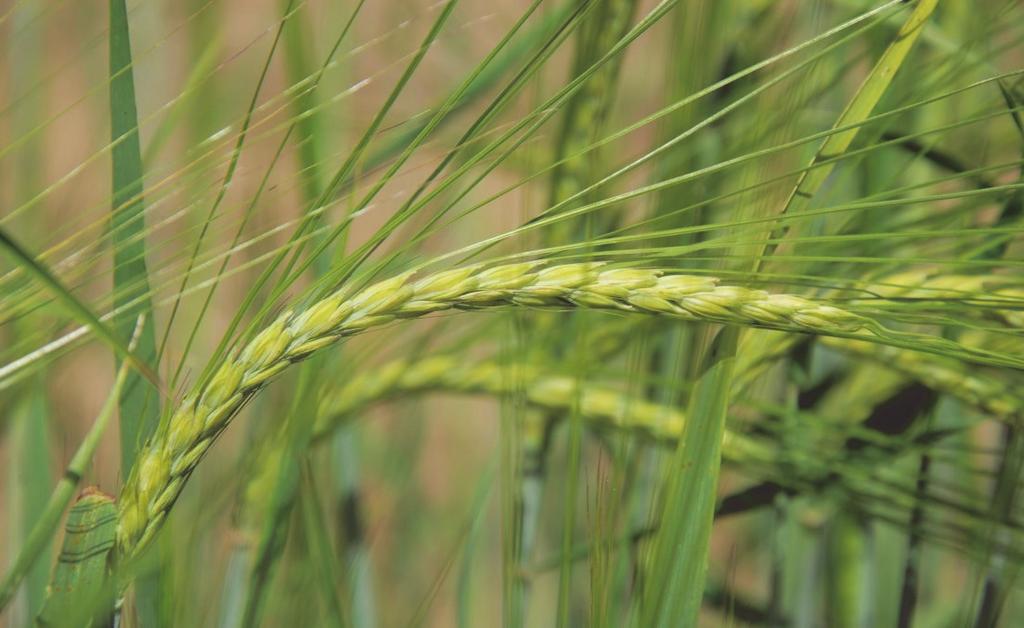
184, 437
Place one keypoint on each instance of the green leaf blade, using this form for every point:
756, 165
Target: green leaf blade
139, 408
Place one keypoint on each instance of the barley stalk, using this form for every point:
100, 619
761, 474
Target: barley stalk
169, 457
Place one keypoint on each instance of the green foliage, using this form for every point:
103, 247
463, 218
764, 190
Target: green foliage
549, 313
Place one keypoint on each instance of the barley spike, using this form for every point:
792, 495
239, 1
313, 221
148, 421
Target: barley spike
179, 443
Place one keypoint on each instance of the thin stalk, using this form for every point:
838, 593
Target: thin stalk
911, 569
28, 489
1002, 571
354, 550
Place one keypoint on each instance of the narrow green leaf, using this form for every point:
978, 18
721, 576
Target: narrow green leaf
34, 452
139, 407
28, 485
305, 105
680, 549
